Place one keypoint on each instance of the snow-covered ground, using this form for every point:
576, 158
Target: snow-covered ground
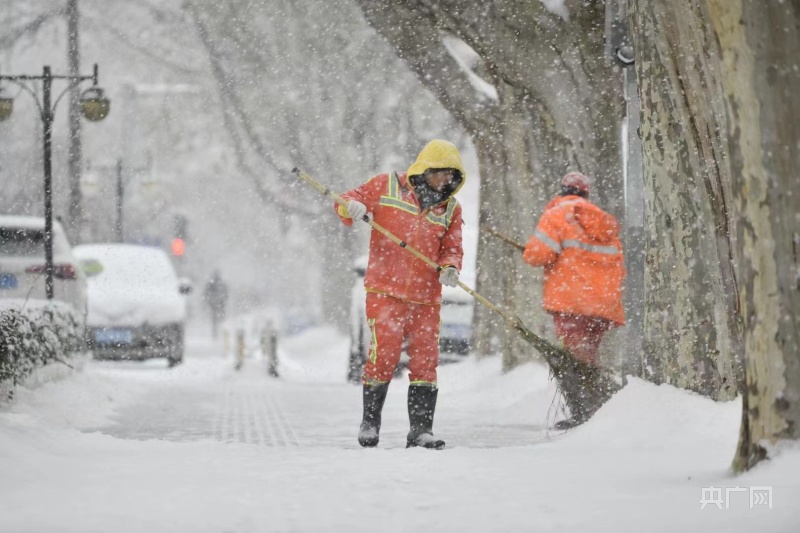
203, 448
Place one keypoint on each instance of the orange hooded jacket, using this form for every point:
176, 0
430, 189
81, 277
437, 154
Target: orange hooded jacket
578, 245
436, 231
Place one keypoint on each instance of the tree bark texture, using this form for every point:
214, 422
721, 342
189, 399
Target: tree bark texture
691, 324
558, 108
761, 80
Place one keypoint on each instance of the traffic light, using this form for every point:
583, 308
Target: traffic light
178, 247
180, 232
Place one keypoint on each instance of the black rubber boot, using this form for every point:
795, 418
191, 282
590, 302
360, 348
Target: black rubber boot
421, 406
374, 396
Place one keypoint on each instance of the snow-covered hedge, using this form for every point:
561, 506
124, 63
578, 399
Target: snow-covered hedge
35, 335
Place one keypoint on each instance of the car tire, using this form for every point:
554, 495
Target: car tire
175, 358
358, 356
354, 370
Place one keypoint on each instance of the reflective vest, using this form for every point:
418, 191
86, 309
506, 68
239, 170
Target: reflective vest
436, 233
578, 245
394, 198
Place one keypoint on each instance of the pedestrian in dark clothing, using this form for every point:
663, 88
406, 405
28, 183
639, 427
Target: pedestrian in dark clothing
216, 296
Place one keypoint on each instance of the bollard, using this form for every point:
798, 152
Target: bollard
269, 347
239, 349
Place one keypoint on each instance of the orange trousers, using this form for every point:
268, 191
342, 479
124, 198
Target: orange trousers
582, 334
392, 321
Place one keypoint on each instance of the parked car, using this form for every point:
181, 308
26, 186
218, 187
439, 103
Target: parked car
22, 263
136, 304
454, 335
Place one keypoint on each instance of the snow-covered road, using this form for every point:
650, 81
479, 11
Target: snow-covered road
135, 447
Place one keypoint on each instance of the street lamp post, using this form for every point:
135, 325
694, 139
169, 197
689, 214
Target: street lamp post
94, 107
121, 186
120, 201
619, 46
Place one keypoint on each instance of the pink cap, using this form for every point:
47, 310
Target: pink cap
576, 180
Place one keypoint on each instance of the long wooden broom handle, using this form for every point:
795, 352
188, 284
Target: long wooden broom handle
503, 237
513, 321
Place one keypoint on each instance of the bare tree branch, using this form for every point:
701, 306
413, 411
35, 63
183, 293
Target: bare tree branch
125, 39
234, 114
416, 36
32, 27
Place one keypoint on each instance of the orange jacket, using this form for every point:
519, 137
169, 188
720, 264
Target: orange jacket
578, 245
436, 233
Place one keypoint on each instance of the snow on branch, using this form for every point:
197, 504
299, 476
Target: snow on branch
557, 7
467, 58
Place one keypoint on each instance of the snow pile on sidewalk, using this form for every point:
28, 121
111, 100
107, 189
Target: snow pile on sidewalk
641, 464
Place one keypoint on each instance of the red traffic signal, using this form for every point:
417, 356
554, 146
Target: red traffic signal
178, 247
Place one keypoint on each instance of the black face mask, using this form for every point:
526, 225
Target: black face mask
429, 197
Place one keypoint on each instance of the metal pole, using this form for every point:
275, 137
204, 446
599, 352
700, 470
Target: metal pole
269, 348
47, 118
120, 201
634, 231
239, 349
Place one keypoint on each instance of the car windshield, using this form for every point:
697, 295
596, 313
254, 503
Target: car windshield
21, 242
128, 265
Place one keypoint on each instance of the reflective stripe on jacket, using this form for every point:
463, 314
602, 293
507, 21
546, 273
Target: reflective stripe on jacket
578, 245
436, 233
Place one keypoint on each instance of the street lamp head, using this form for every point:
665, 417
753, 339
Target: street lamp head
94, 105
6, 105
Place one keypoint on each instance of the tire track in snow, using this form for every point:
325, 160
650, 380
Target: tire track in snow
245, 416
263, 410
252, 414
258, 422
269, 408
288, 429
247, 409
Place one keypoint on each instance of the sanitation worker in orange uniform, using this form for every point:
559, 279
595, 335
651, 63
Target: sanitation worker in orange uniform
403, 293
578, 245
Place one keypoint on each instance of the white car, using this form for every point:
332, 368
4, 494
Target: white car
22, 268
454, 335
136, 304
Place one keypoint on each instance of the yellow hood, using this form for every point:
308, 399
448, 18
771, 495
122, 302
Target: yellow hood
438, 154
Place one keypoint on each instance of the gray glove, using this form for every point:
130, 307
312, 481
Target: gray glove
449, 276
356, 209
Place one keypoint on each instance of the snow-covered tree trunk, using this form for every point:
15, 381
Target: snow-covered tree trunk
691, 326
503, 154
761, 80
556, 106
